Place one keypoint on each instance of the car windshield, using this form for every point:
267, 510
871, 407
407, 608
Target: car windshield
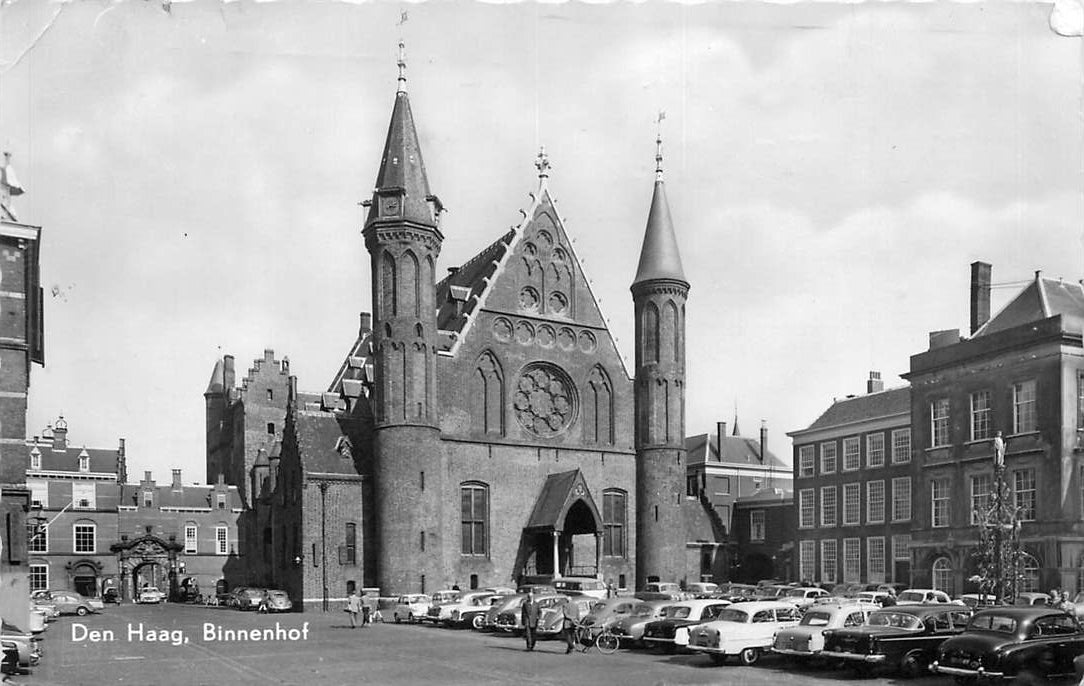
678, 612
733, 615
816, 618
901, 620
911, 596
1002, 624
796, 593
643, 611
277, 594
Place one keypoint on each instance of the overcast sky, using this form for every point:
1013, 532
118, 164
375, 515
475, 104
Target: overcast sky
832, 171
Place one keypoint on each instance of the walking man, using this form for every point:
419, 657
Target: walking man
570, 618
353, 607
529, 618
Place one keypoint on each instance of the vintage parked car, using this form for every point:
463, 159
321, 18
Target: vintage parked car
469, 608
902, 637
246, 598
807, 639
1028, 644
503, 603
914, 596
440, 610
509, 619
150, 594
672, 631
580, 585
411, 608
603, 613
630, 628
20, 650
1031, 598
736, 593
70, 602
276, 601
702, 589
744, 630
551, 618
661, 590
803, 596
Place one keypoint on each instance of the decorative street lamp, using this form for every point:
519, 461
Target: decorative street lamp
999, 555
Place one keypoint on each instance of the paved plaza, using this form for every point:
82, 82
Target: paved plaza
184, 645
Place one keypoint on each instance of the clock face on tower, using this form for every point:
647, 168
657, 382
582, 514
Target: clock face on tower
390, 206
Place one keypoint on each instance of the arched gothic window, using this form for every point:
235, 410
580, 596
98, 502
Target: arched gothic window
488, 396
598, 408
942, 575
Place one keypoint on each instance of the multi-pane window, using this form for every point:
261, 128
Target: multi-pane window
939, 502
828, 506
852, 503
190, 546
83, 496
806, 509
39, 577
37, 537
942, 575
221, 498
84, 535
852, 559
901, 446
84, 463
828, 458
875, 450
806, 459
939, 422
222, 540
875, 559
474, 519
807, 560
756, 525
980, 415
852, 454
1024, 494
39, 493
981, 490
1023, 407
349, 554
901, 499
829, 560
614, 523
901, 547
35, 459
875, 502
148, 498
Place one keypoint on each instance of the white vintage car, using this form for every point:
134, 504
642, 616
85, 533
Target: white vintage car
469, 610
411, 608
743, 630
807, 639
671, 632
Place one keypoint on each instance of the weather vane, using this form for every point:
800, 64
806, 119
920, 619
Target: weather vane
542, 163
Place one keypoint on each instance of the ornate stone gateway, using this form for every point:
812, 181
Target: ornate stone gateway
147, 560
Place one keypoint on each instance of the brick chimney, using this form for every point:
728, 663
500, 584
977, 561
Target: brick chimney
60, 434
720, 430
980, 295
122, 464
366, 323
763, 439
176, 480
874, 384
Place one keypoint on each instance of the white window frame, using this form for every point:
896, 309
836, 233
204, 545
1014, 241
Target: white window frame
807, 460
36, 587
901, 446
852, 454
222, 540
38, 540
876, 563
940, 422
84, 496
941, 575
901, 504
829, 560
829, 506
35, 460
901, 548
39, 494
852, 504
829, 457
1024, 417
807, 559
1025, 499
807, 506
976, 495
875, 450
875, 502
757, 526
852, 560
981, 413
84, 463
93, 538
191, 542
940, 503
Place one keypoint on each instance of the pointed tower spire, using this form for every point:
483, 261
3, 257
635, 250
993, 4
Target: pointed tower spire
659, 256
402, 189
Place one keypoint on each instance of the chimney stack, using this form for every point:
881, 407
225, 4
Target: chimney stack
292, 398
60, 434
763, 439
147, 476
875, 385
176, 479
366, 323
980, 295
720, 429
122, 463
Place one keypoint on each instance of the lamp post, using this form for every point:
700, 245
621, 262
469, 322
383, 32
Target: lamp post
999, 555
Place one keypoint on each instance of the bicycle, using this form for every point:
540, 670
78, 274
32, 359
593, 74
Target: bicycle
600, 637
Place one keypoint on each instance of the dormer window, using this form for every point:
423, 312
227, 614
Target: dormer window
222, 501
84, 463
35, 459
148, 499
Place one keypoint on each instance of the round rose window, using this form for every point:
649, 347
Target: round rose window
544, 402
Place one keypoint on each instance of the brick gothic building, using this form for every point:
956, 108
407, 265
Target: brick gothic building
483, 426
21, 343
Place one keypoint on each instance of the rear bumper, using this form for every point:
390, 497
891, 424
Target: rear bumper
854, 657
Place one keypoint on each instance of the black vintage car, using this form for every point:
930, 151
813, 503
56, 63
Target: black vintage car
902, 638
1027, 644
672, 631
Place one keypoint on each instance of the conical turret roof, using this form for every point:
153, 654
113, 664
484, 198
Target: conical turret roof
659, 256
402, 170
216, 384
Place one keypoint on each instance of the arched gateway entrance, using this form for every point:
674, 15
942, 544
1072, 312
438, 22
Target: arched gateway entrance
563, 536
146, 561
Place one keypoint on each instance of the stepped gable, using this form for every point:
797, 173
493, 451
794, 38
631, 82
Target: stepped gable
1041, 299
862, 407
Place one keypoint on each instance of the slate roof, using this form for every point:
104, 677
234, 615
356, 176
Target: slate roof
461, 291
737, 450
872, 405
698, 524
355, 375
101, 460
1041, 299
556, 493
402, 168
188, 496
319, 434
659, 255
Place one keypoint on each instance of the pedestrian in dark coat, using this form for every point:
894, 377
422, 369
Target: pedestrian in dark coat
570, 619
529, 619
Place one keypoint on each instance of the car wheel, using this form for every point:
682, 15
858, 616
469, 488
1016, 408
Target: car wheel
395, 616
81, 611
410, 618
478, 622
749, 656
913, 665
717, 659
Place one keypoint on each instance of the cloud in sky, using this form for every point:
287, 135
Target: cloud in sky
832, 170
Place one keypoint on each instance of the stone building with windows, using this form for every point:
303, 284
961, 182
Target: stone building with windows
89, 529
483, 426
1020, 373
762, 537
853, 489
